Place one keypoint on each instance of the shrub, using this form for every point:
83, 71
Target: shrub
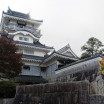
7, 89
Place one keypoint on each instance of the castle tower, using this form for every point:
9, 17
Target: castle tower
25, 33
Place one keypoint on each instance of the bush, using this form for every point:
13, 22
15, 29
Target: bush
7, 89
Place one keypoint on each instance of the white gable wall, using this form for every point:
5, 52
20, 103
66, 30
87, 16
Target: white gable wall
69, 52
16, 38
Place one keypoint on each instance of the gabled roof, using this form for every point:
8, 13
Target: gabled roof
63, 49
24, 33
66, 50
17, 14
58, 56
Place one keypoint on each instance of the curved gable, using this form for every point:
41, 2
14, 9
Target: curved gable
25, 33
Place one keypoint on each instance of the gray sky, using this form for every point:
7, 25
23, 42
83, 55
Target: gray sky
64, 21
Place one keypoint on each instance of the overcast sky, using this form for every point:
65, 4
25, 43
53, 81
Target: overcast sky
64, 21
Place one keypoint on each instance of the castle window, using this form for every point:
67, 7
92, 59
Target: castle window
26, 39
21, 24
20, 38
26, 67
23, 39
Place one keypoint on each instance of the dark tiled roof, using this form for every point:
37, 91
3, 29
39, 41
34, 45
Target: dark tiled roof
36, 44
45, 57
63, 49
17, 14
79, 61
54, 52
66, 48
32, 57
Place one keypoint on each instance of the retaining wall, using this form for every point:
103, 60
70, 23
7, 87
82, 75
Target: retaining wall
54, 93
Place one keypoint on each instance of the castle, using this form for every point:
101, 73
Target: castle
42, 63
38, 63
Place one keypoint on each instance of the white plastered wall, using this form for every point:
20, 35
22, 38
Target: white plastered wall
16, 38
39, 53
13, 21
36, 52
29, 24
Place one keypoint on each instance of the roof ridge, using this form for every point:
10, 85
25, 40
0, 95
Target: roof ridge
10, 10
66, 46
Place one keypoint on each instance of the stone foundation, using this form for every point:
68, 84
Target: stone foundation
96, 99
6, 101
54, 93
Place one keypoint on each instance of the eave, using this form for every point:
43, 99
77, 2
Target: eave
56, 55
33, 47
90, 60
38, 23
31, 60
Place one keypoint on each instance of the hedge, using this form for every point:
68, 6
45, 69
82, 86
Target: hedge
7, 89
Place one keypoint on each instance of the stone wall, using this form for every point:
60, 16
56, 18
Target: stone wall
96, 99
6, 101
54, 93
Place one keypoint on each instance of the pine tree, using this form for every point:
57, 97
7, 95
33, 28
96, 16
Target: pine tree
92, 47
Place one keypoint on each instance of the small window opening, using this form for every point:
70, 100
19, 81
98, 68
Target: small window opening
20, 38
26, 67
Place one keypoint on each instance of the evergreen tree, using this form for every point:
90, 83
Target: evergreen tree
92, 47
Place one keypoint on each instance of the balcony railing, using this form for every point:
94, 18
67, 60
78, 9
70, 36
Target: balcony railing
20, 28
